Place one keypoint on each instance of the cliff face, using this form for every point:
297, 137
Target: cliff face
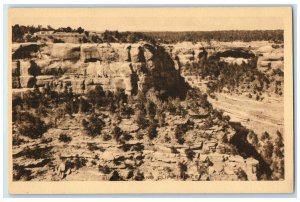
131, 67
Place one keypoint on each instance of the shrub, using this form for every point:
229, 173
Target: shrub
117, 132
93, 147
167, 138
20, 173
96, 96
94, 162
279, 139
41, 111
106, 137
126, 147
190, 154
32, 99
84, 105
174, 150
64, 138
34, 69
257, 98
126, 111
79, 162
151, 109
265, 136
253, 139
179, 134
115, 176
104, 169
139, 135
55, 40
17, 140
93, 125
127, 136
96, 39
17, 101
138, 147
119, 160
183, 169
120, 96
130, 174
139, 176
35, 152
152, 131
30, 125
140, 119
267, 151
241, 174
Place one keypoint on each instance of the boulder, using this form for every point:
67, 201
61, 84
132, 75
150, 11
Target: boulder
107, 156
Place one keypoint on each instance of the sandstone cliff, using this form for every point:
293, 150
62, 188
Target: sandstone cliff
131, 67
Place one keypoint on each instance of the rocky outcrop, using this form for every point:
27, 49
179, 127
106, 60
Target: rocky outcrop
131, 67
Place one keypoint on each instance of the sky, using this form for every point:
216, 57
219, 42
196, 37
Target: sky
153, 19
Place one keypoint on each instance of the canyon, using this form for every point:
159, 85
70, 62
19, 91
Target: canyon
214, 148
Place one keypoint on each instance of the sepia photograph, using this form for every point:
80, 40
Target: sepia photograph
182, 99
